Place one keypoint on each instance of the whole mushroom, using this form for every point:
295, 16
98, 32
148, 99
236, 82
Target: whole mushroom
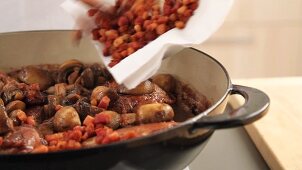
11, 92
154, 112
99, 92
84, 108
18, 117
108, 118
87, 78
14, 105
66, 118
69, 71
31, 75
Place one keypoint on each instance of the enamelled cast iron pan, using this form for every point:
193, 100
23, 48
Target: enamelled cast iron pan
171, 149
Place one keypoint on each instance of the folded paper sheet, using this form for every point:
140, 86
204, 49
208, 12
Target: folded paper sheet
144, 63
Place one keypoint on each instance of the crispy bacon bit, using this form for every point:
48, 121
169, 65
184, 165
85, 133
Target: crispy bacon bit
133, 25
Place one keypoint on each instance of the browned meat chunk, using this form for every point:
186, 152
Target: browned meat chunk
190, 100
33, 75
84, 108
33, 95
46, 127
23, 139
129, 103
11, 92
6, 124
36, 112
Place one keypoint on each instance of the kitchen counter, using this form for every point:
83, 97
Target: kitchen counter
230, 149
277, 136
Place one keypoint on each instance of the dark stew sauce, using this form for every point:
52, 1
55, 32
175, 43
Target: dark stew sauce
47, 108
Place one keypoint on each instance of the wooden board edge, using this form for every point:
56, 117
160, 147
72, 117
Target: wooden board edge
262, 146
270, 158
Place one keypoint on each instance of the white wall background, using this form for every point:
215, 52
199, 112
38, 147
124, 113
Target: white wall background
17, 15
260, 38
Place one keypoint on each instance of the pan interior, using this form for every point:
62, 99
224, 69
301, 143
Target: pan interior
43, 47
199, 70
196, 68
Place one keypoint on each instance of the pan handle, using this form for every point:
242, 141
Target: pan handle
255, 106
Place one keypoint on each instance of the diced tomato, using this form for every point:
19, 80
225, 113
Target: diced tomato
88, 120
55, 136
101, 118
129, 135
85, 136
114, 136
53, 148
102, 133
74, 135
99, 139
90, 130
105, 140
53, 142
80, 128
40, 149
104, 103
61, 144
72, 144
99, 126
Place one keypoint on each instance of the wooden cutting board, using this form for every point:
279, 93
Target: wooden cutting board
278, 135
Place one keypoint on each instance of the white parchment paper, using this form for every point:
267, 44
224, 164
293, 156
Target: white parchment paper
144, 63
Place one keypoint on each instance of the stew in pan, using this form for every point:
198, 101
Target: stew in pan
45, 108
